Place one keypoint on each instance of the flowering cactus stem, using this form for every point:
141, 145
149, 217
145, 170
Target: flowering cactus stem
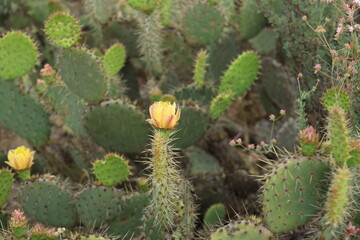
164, 190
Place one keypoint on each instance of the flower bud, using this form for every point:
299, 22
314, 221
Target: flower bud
164, 115
309, 141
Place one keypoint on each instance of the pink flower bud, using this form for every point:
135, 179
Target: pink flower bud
309, 135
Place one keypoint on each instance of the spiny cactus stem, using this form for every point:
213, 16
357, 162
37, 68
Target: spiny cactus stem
164, 190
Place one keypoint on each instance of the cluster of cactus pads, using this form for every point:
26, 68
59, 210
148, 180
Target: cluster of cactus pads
84, 92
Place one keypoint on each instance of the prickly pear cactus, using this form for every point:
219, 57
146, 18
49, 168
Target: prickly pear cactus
18, 55
203, 24
336, 96
97, 206
100, 10
292, 193
220, 103
63, 29
48, 203
201, 96
6, 182
114, 59
251, 20
192, 126
83, 74
21, 114
112, 170
118, 127
215, 214
241, 74
244, 230
146, 6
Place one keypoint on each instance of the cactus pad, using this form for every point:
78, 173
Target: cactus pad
63, 29
146, 6
201, 96
18, 55
203, 24
215, 215
128, 224
6, 181
200, 69
83, 74
118, 127
112, 170
49, 203
241, 74
21, 114
251, 20
292, 193
220, 104
192, 126
244, 230
97, 206
101, 10
336, 96
114, 59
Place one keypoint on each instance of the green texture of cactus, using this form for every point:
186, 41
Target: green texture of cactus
220, 104
251, 20
114, 59
97, 206
63, 29
101, 10
336, 96
112, 170
118, 127
21, 114
244, 230
49, 203
193, 125
83, 74
146, 6
338, 198
241, 74
201, 96
18, 55
339, 135
215, 215
203, 24
292, 193
6, 182
200, 69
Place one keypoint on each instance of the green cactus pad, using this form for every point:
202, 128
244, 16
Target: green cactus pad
336, 96
49, 203
112, 170
114, 59
244, 230
220, 104
241, 74
265, 41
338, 198
339, 135
292, 193
192, 126
6, 182
69, 106
146, 6
203, 24
101, 10
201, 96
128, 224
97, 206
63, 29
18, 55
93, 237
251, 20
21, 114
200, 69
118, 127
215, 215
83, 74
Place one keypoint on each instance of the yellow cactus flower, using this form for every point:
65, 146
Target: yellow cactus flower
20, 158
164, 115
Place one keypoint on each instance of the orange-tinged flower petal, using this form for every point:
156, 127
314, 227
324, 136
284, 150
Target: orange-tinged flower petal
164, 115
20, 158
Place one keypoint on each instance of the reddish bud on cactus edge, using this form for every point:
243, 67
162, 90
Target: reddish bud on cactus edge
309, 135
17, 219
309, 141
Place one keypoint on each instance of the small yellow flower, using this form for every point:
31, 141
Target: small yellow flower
20, 158
164, 115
